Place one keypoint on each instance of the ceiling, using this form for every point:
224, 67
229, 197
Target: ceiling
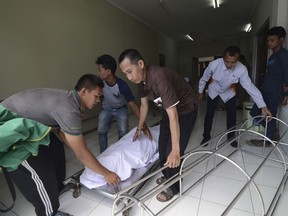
198, 18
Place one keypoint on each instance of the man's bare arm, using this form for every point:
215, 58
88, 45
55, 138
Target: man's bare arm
173, 159
79, 147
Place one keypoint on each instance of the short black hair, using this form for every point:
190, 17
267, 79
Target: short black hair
132, 54
278, 31
89, 81
242, 57
232, 51
107, 62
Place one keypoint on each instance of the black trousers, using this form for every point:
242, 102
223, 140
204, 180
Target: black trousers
230, 107
40, 178
272, 100
186, 123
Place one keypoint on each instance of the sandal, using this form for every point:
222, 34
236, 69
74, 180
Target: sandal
161, 180
165, 195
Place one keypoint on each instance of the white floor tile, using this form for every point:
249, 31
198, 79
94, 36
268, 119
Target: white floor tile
250, 200
187, 206
237, 212
210, 196
282, 207
21, 206
220, 190
92, 195
210, 208
234, 172
79, 206
101, 210
197, 188
269, 176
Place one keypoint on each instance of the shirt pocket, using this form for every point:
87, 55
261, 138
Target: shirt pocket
217, 77
233, 78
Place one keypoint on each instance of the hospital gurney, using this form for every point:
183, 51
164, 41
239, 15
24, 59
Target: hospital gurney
217, 154
220, 155
130, 160
73, 182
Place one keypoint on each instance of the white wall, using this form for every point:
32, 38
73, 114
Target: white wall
281, 18
276, 11
215, 48
263, 11
51, 43
168, 48
280, 13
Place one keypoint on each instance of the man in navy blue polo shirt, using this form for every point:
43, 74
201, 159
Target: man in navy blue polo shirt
275, 82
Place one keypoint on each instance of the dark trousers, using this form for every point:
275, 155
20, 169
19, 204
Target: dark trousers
230, 107
186, 123
272, 101
40, 178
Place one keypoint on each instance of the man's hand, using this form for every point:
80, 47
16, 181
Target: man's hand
147, 132
266, 112
112, 178
173, 159
284, 100
285, 87
199, 98
136, 135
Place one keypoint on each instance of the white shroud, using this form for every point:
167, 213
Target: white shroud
124, 156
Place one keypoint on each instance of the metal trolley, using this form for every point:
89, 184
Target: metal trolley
219, 154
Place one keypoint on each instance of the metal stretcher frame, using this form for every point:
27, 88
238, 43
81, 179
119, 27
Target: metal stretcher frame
73, 182
187, 168
108, 190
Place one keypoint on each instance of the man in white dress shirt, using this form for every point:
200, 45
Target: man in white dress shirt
222, 75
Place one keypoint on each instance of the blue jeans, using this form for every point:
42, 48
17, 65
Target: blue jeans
105, 120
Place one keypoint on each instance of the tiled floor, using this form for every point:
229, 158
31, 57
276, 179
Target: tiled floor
208, 197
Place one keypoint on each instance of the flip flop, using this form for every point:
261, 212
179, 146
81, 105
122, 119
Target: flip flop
258, 143
161, 180
165, 195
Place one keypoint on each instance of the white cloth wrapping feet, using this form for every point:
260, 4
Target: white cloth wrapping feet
124, 156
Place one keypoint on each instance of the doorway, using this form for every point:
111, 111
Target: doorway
262, 54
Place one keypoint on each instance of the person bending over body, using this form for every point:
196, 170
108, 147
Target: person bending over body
225, 72
171, 92
117, 95
40, 175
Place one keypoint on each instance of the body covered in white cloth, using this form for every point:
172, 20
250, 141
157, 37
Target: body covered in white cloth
124, 156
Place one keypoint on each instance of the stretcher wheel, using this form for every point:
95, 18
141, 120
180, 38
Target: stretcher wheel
77, 190
66, 188
126, 212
